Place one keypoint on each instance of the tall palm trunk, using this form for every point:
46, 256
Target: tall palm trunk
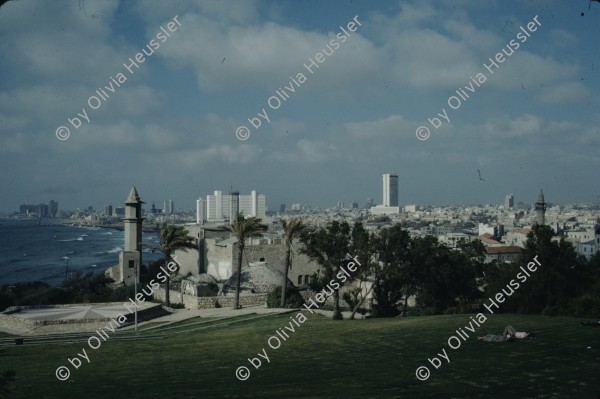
288, 255
167, 291
236, 303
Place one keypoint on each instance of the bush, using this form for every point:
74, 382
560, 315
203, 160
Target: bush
123, 293
586, 305
293, 298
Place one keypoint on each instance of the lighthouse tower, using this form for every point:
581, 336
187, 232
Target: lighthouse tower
540, 209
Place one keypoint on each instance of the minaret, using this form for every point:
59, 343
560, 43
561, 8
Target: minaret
131, 257
540, 209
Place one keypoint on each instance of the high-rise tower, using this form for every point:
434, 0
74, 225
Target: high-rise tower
509, 202
390, 190
540, 209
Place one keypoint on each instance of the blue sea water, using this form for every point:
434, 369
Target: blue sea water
30, 251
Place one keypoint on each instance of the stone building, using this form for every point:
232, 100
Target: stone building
217, 254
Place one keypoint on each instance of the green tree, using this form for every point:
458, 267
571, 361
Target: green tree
242, 229
554, 283
362, 250
329, 247
292, 228
445, 277
552, 288
392, 246
172, 238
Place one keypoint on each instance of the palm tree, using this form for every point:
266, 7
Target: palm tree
171, 238
242, 229
291, 229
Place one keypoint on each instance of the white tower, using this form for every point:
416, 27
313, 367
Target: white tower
390, 190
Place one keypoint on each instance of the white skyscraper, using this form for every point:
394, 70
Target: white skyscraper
509, 202
390, 190
390, 197
168, 207
219, 206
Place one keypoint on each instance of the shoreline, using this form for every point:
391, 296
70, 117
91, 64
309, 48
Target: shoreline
76, 223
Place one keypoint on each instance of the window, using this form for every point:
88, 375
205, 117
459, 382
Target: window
299, 280
131, 264
306, 279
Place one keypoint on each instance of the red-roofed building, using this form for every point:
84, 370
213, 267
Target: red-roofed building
507, 254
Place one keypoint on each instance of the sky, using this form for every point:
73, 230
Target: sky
169, 126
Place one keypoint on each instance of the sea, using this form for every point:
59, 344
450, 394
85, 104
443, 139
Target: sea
31, 250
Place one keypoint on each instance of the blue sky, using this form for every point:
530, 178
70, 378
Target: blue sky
170, 128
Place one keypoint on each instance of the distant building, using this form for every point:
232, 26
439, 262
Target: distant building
340, 205
26, 209
496, 232
509, 202
586, 241
517, 237
390, 196
390, 189
108, 210
296, 207
410, 208
487, 240
53, 208
219, 206
354, 205
169, 209
506, 254
370, 202
119, 211
540, 209
282, 208
42, 210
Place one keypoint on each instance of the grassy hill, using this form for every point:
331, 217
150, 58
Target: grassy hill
198, 358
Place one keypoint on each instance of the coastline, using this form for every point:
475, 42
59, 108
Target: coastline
149, 228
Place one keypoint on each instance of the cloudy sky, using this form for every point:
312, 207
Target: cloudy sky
170, 127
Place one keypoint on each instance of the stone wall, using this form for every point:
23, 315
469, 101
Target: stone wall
208, 302
258, 251
10, 320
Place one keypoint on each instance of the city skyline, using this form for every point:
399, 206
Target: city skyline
169, 128
201, 203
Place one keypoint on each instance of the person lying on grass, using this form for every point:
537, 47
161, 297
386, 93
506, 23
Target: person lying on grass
509, 334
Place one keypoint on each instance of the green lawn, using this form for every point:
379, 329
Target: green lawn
323, 358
